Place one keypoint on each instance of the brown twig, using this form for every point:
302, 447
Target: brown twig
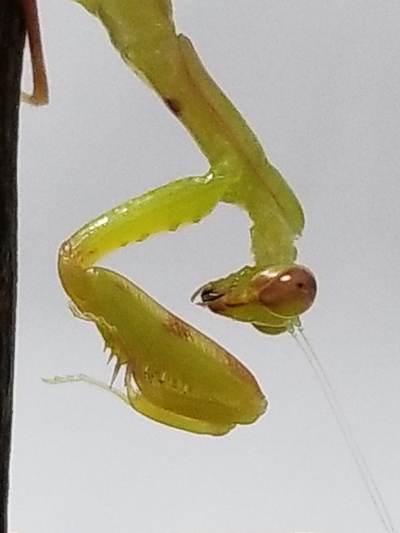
12, 35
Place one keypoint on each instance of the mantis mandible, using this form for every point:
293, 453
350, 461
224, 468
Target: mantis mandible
173, 373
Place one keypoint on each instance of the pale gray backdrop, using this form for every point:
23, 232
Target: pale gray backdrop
320, 84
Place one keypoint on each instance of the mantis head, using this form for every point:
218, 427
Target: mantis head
274, 297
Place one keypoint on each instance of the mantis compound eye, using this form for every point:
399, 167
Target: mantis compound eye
288, 293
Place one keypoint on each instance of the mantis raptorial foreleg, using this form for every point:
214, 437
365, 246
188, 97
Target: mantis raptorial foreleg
175, 367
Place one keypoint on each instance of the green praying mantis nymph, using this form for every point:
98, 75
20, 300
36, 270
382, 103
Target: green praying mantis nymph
174, 374
182, 378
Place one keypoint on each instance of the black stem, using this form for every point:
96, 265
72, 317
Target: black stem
12, 32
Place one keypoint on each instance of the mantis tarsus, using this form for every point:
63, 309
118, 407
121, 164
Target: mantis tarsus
184, 379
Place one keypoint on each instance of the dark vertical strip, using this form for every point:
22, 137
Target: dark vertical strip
11, 47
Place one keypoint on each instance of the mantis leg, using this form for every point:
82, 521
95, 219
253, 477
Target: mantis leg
167, 208
184, 379
146, 408
40, 95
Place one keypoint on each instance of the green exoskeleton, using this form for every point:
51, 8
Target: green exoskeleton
173, 373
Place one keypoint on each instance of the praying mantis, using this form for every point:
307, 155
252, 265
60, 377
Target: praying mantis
173, 373
184, 379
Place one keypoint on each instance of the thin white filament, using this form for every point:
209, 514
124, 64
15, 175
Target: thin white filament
345, 429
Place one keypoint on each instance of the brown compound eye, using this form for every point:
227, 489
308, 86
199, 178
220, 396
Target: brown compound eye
288, 293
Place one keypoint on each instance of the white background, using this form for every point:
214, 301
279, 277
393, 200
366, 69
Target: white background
320, 83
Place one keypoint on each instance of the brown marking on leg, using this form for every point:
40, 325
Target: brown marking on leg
173, 105
178, 328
